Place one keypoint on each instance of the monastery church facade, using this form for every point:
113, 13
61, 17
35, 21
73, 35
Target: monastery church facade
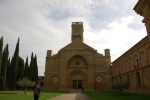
77, 65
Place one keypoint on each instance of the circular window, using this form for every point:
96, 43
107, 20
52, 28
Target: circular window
98, 79
55, 79
77, 63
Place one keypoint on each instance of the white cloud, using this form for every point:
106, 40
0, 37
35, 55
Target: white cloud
117, 37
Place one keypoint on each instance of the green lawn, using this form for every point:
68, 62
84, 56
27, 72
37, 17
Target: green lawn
117, 96
19, 95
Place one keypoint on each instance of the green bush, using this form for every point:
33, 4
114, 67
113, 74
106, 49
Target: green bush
120, 86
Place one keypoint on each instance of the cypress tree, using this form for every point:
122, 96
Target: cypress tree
26, 68
11, 74
1, 52
20, 72
4, 67
2, 77
35, 70
14, 67
20, 69
30, 71
8, 71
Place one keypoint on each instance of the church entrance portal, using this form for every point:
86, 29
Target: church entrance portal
77, 84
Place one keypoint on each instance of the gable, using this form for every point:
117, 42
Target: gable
83, 47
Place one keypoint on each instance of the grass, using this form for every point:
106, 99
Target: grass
45, 95
19, 95
117, 96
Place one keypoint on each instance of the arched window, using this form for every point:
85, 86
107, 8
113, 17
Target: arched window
130, 63
136, 62
126, 65
120, 69
128, 79
138, 79
142, 59
77, 61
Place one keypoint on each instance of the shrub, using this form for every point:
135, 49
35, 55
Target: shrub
120, 86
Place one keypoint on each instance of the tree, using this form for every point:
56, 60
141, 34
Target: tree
4, 68
1, 52
20, 71
35, 70
14, 67
8, 71
26, 68
30, 69
25, 83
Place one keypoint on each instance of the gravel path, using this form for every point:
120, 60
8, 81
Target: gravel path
71, 96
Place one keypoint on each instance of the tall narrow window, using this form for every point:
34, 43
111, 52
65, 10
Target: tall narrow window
120, 70
136, 64
138, 79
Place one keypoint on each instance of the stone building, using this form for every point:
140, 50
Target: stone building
77, 65
134, 64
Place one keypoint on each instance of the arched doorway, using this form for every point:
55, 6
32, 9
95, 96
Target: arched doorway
77, 84
77, 69
76, 79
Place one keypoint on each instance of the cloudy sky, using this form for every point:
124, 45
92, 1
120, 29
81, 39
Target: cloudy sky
46, 25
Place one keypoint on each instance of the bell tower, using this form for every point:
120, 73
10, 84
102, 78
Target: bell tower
77, 33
